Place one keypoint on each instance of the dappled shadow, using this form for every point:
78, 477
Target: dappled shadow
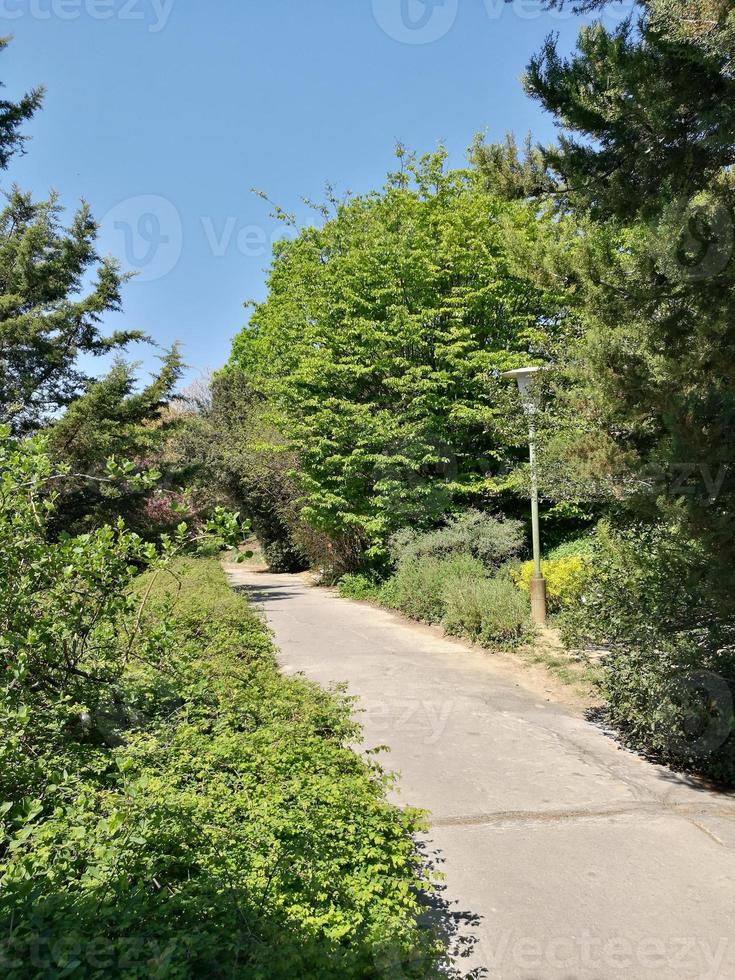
457, 928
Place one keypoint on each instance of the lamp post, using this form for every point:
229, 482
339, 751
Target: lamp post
524, 377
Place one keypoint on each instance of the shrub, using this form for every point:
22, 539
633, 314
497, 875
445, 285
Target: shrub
584, 547
359, 586
389, 593
565, 580
668, 673
492, 540
420, 584
282, 555
490, 611
175, 807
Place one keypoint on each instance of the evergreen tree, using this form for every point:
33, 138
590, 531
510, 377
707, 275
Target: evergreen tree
116, 420
12, 117
643, 238
647, 110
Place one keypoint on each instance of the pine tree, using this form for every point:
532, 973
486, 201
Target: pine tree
644, 240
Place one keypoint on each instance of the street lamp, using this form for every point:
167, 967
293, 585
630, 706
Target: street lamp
524, 377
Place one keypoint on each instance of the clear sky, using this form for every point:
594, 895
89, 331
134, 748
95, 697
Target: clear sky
163, 114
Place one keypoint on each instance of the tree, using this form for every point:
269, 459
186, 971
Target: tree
379, 346
12, 116
647, 111
114, 419
654, 267
46, 320
231, 450
643, 239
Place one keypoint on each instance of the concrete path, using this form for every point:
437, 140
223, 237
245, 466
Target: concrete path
566, 857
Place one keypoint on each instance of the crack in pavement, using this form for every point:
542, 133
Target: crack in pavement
685, 810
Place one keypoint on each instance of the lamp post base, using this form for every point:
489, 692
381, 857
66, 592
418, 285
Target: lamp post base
538, 600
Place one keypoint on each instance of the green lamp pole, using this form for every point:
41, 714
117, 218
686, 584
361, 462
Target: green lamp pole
524, 377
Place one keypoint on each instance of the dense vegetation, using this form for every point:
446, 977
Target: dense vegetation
171, 805
607, 256
378, 348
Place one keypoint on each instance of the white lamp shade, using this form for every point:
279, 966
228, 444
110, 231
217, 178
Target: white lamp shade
524, 377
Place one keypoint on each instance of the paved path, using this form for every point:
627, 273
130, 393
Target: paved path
566, 857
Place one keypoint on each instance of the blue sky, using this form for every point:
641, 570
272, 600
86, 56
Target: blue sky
163, 114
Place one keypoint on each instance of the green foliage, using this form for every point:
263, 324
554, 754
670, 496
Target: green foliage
377, 345
508, 174
54, 295
668, 673
491, 539
282, 555
420, 584
359, 586
113, 420
647, 240
12, 117
485, 610
173, 805
639, 412
628, 161
44, 324
228, 440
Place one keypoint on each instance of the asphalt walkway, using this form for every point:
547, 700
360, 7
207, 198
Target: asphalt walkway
566, 857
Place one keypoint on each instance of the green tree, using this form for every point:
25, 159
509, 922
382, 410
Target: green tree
647, 168
46, 319
643, 239
115, 418
12, 117
231, 450
379, 346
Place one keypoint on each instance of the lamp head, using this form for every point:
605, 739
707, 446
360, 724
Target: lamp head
524, 376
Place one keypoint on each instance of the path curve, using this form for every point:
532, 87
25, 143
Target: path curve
566, 857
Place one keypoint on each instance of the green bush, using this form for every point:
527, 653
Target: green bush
490, 611
281, 554
584, 547
670, 662
174, 806
492, 540
359, 586
420, 583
